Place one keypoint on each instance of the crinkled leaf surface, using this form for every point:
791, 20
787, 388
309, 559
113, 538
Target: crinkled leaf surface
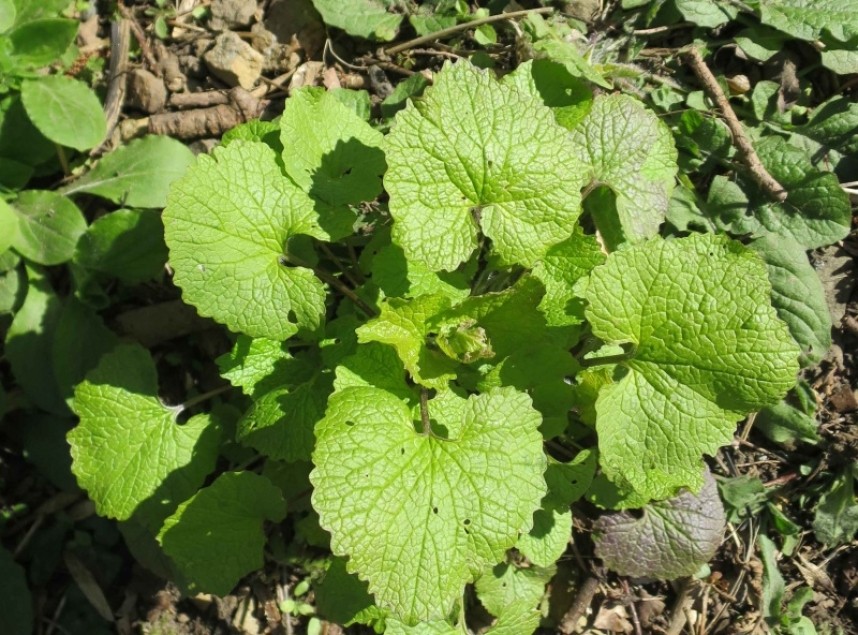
364, 18
65, 110
507, 584
435, 627
708, 349
404, 324
465, 158
343, 598
630, 150
569, 97
49, 226
398, 277
672, 538
420, 515
258, 365
138, 174
216, 536
562, 266
374, 364
812, 19
8, 226
280, 423
797, 295
816, 212
329, 151
128, 448
227, 223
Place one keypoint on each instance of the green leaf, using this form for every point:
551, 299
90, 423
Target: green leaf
125, 244
405, 325
400, 278
376, 365
128, 449
816, 212
29, 10
8, 13
267, 132
16, 618
784, 424
563, 265
41, 42
364, 18
518, 618
836, 518
8, 226
774, 586
464, 158
330, 152
343, 598
49, 226
507, 584
80, 339
435, 627
227, 224
216, 536
430, 513
669, 539
280, 423
410, 88
65, 110
138, 174
797, 295
841, 61
568, 96
567, 54
29, 344
630, 150
258, 365
19, 138
706, 13
811, 19
700, 344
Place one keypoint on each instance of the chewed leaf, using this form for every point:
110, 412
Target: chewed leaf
227, 223
707, 348
464, 159
671, 539
419, 515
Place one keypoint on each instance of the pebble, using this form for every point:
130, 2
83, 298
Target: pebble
146, 92
231, 14
234, 61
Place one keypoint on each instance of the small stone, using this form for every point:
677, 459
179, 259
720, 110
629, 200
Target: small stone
146, 92
234, 62
231, 14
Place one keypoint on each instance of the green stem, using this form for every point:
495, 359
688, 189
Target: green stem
335, 282
424, 411
629, 353
193, 401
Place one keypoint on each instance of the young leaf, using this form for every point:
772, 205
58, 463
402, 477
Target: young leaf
405, 325
429, 513
126, 244
65, 110
705, 340
507, 584
330, 152
399, 278
364, 18
343, 598
630, 150
563, 265
836, 518
227, 223
216, 536
376, 365
797, 295
280, 423
435, 627
128, 449
671, 538
7, 15
138, 174
568, 96
49, 226
8, 226
258, 365
464, 158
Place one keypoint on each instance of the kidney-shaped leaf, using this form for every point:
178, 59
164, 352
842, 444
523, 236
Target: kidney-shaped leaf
466, 157
420, 515
128, 448
707, 349
227, 223
671, 538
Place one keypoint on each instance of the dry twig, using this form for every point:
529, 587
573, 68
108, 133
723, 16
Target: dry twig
746, 151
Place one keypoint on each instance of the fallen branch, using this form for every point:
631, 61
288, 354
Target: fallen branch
431, 37
746, 151
569, 622
120, 41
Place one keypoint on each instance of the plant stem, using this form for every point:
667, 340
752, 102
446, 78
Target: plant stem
607, 359
424, 411
758, 171
335, 282
437, 35
193, 401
